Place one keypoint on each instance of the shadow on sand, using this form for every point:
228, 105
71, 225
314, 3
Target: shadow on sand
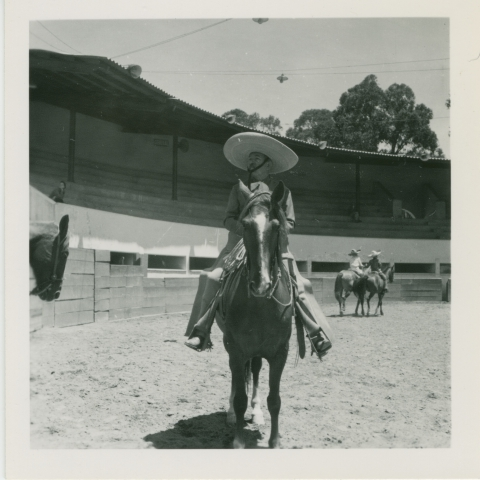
204, 431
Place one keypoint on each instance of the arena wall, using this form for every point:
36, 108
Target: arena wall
99, 230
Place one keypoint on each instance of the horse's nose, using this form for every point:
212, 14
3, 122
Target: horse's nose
57, 295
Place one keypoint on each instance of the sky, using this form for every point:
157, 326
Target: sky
234, 63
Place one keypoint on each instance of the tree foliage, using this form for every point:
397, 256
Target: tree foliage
314, 126
268, 124
373, 120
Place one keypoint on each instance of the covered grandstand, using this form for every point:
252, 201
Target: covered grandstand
147, 181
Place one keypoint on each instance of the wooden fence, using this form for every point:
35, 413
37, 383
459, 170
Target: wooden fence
96, 291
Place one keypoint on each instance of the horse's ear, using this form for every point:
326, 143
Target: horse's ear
63, 226
243, 189
278, 193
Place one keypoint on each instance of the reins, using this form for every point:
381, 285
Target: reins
239, 251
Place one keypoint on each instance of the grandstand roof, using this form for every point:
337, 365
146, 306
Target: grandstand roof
100, 87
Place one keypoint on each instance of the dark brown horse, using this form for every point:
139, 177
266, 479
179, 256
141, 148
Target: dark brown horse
48, 257
373, 283
259, 309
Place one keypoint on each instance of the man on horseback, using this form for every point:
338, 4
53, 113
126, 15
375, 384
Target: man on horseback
356, 264
376, 266
261, 156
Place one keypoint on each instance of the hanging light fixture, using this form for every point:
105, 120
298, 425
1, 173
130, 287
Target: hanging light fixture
260, 20
282, 78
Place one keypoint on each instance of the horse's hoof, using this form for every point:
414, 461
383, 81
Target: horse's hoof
275, 443
257, 419
238, 443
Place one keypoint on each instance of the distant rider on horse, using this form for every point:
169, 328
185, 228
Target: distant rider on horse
356, 264
376, 266
261, 156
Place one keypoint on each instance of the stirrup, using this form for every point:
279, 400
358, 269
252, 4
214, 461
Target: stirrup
325, 346
204, 336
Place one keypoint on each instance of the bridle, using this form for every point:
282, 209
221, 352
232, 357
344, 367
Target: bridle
277, 260
43, 287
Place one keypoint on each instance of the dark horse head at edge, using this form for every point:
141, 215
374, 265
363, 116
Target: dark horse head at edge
49, 249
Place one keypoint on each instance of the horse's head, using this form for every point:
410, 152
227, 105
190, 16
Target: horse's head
264, 236
391, 272
48, 258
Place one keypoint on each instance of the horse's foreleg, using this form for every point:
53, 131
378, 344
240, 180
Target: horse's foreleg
338, 296
273, 400
240, 399
231, 411
257, 415
380, 302
358, 304
370, 295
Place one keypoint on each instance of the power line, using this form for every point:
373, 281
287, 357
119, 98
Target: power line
171, 39
44, 41
302, 69
291, 74
58, 37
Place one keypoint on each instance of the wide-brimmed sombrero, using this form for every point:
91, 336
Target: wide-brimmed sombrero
355, 252
238, 148
375, 254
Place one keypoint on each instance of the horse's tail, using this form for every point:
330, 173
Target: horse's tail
248, 375
338, 286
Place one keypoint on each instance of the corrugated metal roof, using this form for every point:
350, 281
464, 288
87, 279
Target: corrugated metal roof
86, 61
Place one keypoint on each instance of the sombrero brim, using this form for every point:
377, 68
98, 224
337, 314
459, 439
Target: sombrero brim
375, 254
238, 148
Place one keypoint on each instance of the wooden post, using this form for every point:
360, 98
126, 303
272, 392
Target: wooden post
357, 187
71, 146
175, 167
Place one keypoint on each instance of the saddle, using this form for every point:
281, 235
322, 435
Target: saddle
234, 268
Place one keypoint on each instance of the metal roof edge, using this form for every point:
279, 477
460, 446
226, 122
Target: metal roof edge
298, 142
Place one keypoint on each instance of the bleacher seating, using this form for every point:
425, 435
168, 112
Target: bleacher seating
148, 195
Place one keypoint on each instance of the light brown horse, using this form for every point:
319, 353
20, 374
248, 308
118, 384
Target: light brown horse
259, 310
345, 283
373, 283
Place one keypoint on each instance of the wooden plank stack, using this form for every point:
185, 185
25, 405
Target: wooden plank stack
75, 305
96, 291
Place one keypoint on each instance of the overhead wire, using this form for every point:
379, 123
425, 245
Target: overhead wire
170, 39
288, 70
292, 74
58, 38
44, 41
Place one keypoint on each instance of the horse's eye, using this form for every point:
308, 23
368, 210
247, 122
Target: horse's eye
245, 223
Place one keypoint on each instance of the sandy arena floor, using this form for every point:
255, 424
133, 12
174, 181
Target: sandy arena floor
132, 384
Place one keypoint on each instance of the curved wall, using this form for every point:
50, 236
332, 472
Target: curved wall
100, 230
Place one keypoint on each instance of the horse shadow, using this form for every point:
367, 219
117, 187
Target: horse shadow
204, 431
